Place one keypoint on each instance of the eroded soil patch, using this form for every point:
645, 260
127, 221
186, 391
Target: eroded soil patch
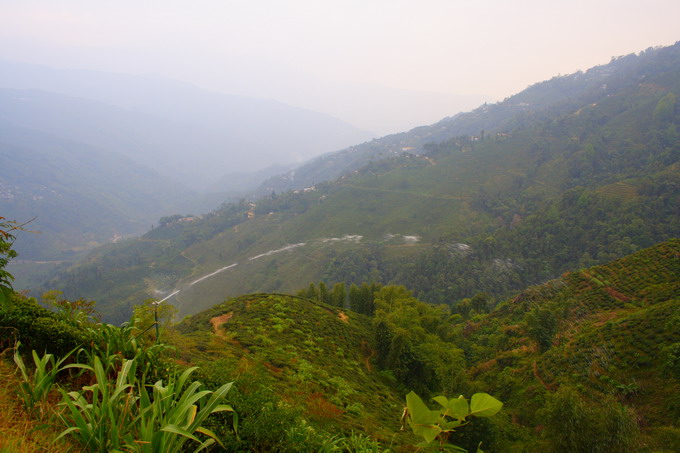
218, 321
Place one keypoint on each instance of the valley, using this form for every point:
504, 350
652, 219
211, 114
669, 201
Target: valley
524, 255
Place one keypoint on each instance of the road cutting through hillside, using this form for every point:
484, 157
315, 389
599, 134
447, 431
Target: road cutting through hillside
346, 238
267, 253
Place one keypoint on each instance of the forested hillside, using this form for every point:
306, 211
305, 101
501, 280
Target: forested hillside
569, 184
549, 99
585, 362
590, 357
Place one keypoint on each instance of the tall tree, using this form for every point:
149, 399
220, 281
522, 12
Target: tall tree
338, 295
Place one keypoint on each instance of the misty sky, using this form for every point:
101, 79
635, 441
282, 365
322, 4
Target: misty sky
373, 63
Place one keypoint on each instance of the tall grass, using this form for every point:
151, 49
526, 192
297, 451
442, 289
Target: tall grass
21, 431
122, 415
120, 410
34, 388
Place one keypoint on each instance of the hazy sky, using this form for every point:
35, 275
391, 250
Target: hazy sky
340, 56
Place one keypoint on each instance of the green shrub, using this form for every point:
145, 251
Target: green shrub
40, 329
36, 386
574, 425
437, 426
672, 359
263, 421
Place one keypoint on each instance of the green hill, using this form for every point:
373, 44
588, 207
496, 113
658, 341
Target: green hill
548, 99
606, 337
588, 362
315, 357
581, 179
602, 340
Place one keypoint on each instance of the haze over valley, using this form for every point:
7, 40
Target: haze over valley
280, 226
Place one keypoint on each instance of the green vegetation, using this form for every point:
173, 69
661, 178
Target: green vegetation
35, 388
582, 363
317, 355
536, 262
563, 182
574, 425
119, 414
23, 432
439, 424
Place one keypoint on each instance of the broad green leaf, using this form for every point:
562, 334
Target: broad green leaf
77, 365
423, 421
66, 432
204, 445
448, 426
459, 408
428, 432
484, 405
420, 414
179, 431
455, 407
442, 400
210, 434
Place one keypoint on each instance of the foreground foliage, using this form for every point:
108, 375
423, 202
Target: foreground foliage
586, 362
23, 431
6, 254
122, 415
439, 424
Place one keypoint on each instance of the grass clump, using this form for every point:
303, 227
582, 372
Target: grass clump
21, 431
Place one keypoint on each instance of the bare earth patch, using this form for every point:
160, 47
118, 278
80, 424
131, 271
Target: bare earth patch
217, 322
343, 317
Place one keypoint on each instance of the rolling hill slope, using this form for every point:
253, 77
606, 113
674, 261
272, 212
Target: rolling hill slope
608, 332
601, 340
571, 184
315, 356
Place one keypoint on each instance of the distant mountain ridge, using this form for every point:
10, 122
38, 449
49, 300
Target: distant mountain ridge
202, 135
558, 95
130, 149
81, 196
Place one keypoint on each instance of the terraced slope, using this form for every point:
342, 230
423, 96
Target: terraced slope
615, 328
316, 357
